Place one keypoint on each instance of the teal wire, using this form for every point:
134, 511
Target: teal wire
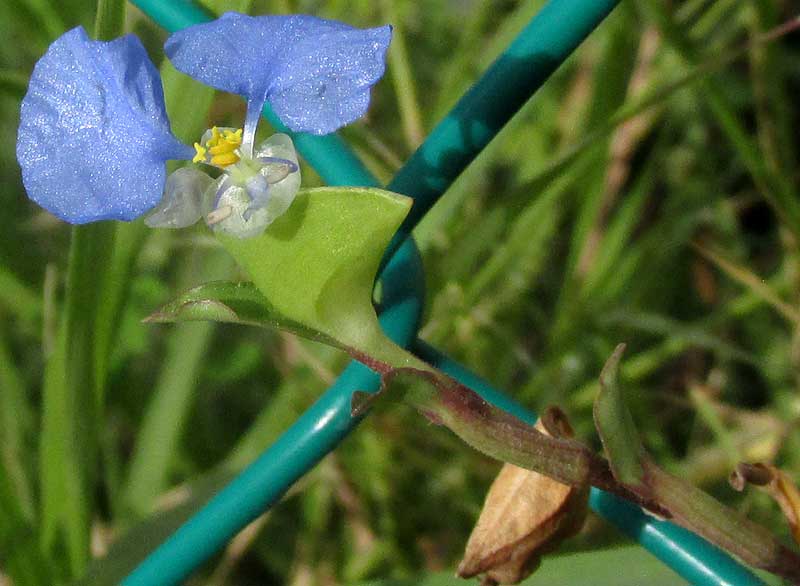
547, 41
550, 37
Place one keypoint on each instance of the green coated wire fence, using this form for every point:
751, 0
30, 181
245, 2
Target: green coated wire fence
508, 84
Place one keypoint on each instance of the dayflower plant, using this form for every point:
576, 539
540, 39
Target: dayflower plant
94, 135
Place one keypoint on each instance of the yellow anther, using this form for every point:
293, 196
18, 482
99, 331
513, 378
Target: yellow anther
222, 146
225, 159
215, 136
200, 157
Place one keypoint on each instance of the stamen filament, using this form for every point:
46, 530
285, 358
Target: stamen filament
254, 108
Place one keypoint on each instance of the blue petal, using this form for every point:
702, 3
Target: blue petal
326, 81
316, 73
94, 133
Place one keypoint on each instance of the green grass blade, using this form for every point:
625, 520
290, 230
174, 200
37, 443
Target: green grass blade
529, 236
172, 399
752, 282
128, 240
47, 15
775, 188
773, 103
69, 424
22, 559
17, 298
70, 421
654, 96
14, 83
109, 20
16, 427
166, 415
400, 69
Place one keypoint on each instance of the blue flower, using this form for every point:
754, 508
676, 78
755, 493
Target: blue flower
248, 196
315, 73
94, 133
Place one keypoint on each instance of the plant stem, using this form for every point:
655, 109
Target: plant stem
698, 511
503, 436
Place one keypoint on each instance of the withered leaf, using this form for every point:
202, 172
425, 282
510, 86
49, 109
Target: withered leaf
525, 515
777, 484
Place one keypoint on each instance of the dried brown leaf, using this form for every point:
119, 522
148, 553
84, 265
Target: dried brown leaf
525, 515
777, 484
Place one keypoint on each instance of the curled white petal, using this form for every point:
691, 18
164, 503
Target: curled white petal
282, 192
184, 201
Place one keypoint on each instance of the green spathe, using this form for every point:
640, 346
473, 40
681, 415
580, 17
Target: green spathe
316, 265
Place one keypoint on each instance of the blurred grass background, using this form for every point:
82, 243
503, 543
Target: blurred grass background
648, 194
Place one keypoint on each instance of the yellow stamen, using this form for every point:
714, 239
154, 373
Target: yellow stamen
200, 157
215, 136
222, 146
225, 159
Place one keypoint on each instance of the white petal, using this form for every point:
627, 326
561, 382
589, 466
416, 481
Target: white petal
183, 201
282, 192
233, 214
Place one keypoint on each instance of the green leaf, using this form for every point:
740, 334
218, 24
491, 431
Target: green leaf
316, 264
314, 268
236, 303
616, 427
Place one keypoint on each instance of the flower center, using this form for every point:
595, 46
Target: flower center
221, 148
